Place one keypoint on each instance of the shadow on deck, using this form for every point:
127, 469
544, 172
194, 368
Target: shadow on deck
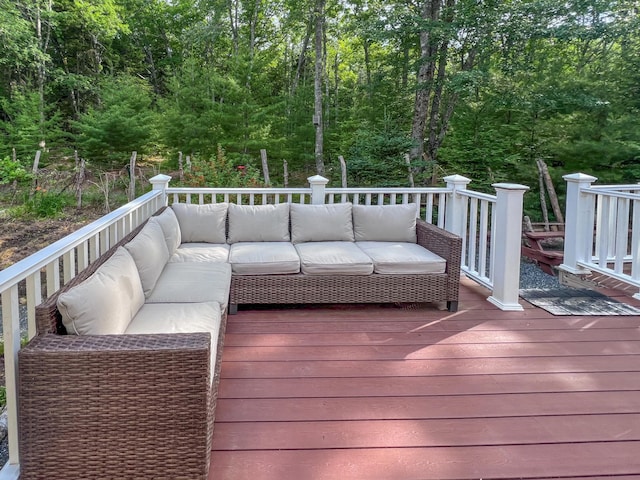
381, 392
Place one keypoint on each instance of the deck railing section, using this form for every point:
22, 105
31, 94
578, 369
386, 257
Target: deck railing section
30, 281
602, 231
487, 223
476, 217
491, 229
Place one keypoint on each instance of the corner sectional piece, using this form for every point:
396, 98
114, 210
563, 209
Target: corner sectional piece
122, 376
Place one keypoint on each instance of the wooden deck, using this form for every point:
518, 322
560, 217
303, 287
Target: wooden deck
380, 392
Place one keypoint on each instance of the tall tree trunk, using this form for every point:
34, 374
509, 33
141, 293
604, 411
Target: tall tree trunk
44, 35
301, 59
233, 20
317, 118
429, 11
366, 43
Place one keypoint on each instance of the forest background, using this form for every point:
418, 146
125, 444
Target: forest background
482, 88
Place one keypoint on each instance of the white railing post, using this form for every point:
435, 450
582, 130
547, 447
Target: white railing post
11, 328
456, 209
161, 182
579, 220
506, 241
318, 186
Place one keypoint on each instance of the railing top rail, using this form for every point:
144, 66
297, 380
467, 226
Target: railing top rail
397, 190
630, 186
22, 269
611, 193
268, 190
478, 195
234, 191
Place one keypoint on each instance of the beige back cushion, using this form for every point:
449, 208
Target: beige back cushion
170, 228
259, 223
202, 223
321, 223
106, 302
385, 223
149, 250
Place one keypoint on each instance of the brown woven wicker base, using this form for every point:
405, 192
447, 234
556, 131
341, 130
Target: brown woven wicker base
281, 289
130, 407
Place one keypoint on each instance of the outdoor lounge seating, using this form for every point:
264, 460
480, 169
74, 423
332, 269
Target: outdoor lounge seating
121, 380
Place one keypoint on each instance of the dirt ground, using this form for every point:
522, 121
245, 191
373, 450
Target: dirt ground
21, 238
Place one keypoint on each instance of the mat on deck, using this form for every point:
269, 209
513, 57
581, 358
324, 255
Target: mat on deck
575, 301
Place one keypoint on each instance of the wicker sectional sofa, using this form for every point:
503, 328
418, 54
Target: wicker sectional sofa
121, 380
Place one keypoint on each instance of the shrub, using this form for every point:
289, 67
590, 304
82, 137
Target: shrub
220, 172
12, 171
43, 204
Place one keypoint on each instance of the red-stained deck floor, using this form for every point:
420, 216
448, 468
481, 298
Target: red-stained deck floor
380, 392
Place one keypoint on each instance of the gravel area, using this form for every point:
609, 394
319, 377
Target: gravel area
532, 277
23, 321
4, 452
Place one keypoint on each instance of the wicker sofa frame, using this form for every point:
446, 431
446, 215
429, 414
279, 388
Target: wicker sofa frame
377, 288
143, 405
139, 402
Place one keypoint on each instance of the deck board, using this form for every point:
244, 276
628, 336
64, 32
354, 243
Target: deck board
383, 392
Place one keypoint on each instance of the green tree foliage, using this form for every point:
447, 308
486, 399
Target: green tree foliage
121, 123
500, 84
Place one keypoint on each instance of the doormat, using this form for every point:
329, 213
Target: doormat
576, 301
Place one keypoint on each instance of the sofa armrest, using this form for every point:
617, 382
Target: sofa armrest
443, 243
115, 406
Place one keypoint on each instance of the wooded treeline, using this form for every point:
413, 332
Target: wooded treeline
484, 89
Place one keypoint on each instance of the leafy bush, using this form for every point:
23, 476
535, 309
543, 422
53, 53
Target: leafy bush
43, 204
220, 172
12, 171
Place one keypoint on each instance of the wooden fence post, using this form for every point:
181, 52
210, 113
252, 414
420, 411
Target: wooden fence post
80, 177
285, 166
343, 167
407, 160
34, 171
132, 176
265, 167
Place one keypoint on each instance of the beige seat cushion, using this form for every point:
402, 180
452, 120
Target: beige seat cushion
154, 318
258, 223
201, 252
402, 258
190, 282
202, 223
264, 258
385, 223
333, 258
149, 250
105, 302
170, 228
321, 223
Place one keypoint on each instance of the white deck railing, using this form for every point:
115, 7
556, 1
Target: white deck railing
35, 278
490, 226
491, 231
602, 231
